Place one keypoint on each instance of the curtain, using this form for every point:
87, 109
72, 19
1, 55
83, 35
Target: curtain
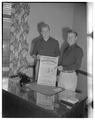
20, 60
18, 37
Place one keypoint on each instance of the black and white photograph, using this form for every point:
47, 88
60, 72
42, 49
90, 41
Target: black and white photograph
47, 59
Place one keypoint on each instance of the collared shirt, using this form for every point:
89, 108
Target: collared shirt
71, 58
47, 48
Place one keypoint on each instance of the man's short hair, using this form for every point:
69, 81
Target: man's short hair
45, 25
39, 26
71, 31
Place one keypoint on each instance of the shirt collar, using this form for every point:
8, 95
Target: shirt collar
46, 41
72, 46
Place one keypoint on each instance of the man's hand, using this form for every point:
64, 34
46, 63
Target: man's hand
60, 68
34, 56
38, 57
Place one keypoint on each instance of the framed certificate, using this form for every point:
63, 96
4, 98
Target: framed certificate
47, 70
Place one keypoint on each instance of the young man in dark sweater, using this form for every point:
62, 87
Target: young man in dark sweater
70, 61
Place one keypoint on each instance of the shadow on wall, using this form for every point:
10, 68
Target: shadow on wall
65, 32
64, 36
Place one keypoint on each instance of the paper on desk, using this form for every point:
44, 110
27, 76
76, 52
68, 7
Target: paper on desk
72, 100
47, 70
68, 96
57, 89
44, 89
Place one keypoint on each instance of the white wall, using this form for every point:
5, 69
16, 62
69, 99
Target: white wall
80, 25
57, 15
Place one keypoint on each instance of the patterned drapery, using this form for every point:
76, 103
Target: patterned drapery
20, 60
18, 37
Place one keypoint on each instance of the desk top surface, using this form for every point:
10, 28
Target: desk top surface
54, 103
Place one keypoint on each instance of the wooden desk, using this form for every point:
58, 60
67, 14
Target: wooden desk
29, 97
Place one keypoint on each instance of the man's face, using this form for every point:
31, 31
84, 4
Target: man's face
71, 38
45, 33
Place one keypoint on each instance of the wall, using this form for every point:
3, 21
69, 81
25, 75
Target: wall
80, 25
57, 15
